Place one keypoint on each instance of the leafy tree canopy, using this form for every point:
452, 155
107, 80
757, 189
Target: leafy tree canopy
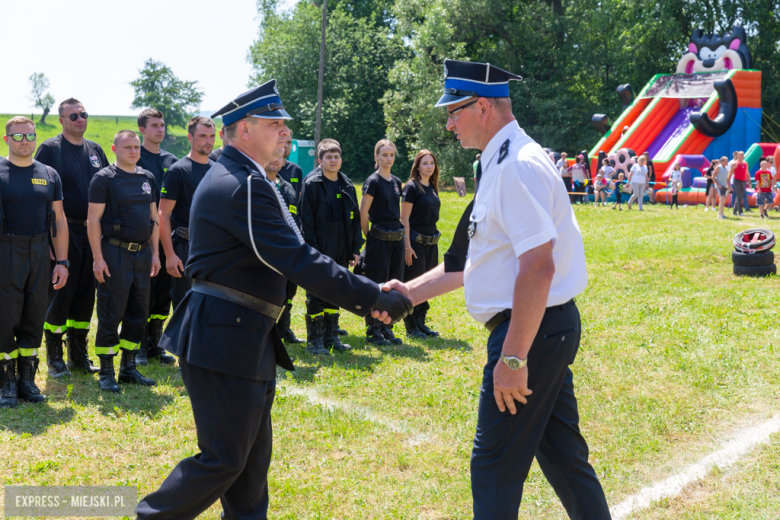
158, 87
384, 64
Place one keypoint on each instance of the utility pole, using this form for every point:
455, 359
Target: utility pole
318, 129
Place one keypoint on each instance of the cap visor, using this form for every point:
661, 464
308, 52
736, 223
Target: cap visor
450, 99
275, 114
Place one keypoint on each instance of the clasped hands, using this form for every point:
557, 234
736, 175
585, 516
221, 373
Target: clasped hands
394, 303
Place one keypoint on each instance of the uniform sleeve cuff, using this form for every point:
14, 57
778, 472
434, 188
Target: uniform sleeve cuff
537, 240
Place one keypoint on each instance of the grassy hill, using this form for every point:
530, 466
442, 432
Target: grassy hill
102, 129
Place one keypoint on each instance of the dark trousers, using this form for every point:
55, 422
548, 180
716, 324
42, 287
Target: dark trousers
739, 196
123, 298
179, 286
384, 260
546, 427
25, 269
234, 437
427, 259
160, 293
336, 249
70, 308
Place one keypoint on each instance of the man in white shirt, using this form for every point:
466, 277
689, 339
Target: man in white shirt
519, 252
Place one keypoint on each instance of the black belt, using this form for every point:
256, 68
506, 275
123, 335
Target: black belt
21, 239
245, 300
130, 246
387, 236
506, 314
183, 232
428, 240
77, 222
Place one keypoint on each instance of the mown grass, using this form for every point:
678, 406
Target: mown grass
676, 353
102, 129
750, 489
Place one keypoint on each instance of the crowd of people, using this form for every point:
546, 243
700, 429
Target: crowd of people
725, 179
119, 234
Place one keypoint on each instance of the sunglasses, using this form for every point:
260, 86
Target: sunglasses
18, 137
75, 116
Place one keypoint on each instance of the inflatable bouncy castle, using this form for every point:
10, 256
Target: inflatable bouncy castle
709, 108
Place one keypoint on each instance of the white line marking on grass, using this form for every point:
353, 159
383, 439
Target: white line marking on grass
314, 397
731, 452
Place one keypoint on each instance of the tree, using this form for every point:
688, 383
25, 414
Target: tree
39, 84
158, 87
360, 53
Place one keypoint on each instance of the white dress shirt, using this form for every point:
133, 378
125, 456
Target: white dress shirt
521, 204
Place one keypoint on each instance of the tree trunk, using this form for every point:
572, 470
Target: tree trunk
43, 117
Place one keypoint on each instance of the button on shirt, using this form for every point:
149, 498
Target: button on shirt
521, 204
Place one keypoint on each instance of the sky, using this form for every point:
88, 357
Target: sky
93, 49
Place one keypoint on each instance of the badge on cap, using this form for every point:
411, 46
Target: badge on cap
466, 79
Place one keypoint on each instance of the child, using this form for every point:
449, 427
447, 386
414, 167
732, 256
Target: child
607, 170
619, 183
675, 178
599, 190
764, 189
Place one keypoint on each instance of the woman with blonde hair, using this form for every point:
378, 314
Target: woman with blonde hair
420, 207
383, 258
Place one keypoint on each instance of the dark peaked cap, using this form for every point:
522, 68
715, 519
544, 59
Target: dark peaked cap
465, 79
262, 102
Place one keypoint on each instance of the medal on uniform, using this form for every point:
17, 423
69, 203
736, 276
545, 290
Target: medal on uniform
472, 229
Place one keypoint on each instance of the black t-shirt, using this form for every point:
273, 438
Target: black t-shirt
26, 193
75, 165
426, 206
334, 194
386, 205
136, 193
215, 154
293, 174
179, 184
158, 164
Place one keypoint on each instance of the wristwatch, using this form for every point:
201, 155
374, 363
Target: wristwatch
513, 363
66, 263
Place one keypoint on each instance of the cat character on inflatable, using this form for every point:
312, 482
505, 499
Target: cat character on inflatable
713, 52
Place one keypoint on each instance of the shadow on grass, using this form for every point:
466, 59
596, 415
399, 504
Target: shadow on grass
34, 419
83, 390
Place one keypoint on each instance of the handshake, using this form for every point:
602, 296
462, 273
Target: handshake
393, 304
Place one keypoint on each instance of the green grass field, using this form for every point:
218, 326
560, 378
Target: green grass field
676, 354
102, 129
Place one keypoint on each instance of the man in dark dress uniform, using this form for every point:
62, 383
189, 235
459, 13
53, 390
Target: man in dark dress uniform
331, 225
151, 124
76, 160
243, 246
30, 206
179, 186
519, 253
124, 234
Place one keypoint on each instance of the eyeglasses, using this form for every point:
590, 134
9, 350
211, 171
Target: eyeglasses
451, 113
18, 137
74, 116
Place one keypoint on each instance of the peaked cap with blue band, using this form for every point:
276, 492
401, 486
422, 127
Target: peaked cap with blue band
465, 79
262, 102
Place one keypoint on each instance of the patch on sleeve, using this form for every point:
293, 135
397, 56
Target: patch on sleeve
503, 151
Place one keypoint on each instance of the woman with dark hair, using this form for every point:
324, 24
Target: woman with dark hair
383, 257
711, 199
420, 207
